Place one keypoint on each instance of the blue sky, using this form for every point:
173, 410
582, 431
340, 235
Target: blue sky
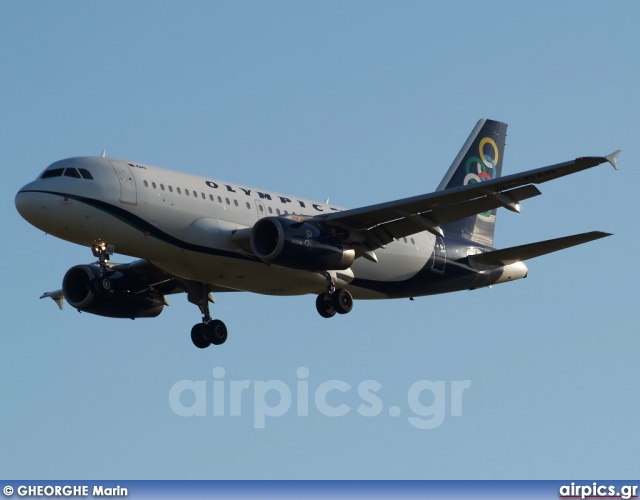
364, 102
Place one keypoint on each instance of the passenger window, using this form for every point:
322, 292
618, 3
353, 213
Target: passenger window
211, 197
186, 191
85, 174
248, 206
162, 186
278, 211
413, 241
153, 184
219, 199
203, 196
72, 172
178, 190
170, 189
235, 202
146, 184
270, 210
227, 200
195, 195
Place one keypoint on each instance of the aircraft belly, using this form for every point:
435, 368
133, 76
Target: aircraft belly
247, 275
398, 262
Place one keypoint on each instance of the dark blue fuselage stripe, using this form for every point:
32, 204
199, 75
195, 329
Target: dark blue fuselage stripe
424, 282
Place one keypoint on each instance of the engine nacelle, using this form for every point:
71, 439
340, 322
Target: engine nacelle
87, 290
299, 245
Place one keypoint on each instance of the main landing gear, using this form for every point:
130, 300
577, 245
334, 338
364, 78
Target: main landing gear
334, 301
210, 331
204, 334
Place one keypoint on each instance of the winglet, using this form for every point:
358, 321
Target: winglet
612, 158
57, 296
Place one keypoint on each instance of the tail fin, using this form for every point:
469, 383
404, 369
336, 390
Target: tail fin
479, 159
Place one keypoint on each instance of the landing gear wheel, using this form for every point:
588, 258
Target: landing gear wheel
324, 306
210, 331
216, 332
198, 336
342, 301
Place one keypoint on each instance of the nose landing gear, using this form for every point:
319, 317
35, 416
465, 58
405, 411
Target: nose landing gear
103, 252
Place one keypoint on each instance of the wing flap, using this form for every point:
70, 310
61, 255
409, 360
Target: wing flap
409, 224
520, 253
508, 199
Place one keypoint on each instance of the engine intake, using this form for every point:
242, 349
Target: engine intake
87, 290
299, 245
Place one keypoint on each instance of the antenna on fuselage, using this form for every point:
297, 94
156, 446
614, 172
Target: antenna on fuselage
326, 202
104, 152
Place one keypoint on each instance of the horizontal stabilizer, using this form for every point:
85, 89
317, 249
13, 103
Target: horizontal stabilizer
523, 252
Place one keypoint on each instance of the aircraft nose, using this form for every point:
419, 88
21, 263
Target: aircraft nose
30, 206
23, 204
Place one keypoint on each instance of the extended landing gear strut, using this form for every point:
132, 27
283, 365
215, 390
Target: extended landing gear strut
334, 301
103, 252
210, 331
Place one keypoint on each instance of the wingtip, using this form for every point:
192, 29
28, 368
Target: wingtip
613, 159
57, 297
601, 234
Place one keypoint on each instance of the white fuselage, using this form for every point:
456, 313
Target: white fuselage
184, 224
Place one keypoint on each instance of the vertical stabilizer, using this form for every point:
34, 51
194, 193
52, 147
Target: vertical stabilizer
480, 159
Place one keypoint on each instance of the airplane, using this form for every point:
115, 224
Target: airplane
202, 236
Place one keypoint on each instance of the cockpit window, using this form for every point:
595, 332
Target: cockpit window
85, 174
54, 172
72, 172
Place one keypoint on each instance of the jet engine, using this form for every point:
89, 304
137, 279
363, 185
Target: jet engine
299, 245
109, 294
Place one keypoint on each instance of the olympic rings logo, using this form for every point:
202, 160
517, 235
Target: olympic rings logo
481, 169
